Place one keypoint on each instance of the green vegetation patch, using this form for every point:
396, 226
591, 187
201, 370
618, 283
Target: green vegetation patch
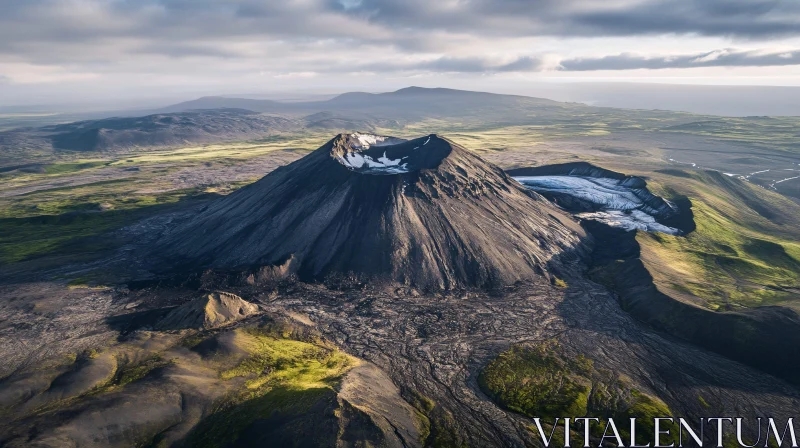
743, 253
535, 382
26, 238
542, 381
73, 167
284, 379
289, 362
723, 262
132, 373
282, 403
49, 224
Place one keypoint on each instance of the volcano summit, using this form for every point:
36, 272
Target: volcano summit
423, 212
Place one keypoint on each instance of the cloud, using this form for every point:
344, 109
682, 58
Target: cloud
717, 58
225, 42
743, 18
463, 65
41, 28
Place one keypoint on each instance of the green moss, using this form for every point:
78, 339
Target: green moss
537, 383
284, 377
733, 259
286, 361
645, 409
445, 432
56, 225
193, 340
541, 381
133, 373
66, 168
423, 408
421, 402
26, 238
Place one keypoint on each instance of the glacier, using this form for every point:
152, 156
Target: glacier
615, 202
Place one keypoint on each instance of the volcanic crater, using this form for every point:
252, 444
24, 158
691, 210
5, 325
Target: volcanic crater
424, 212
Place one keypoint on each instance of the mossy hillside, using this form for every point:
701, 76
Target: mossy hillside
289, 362
282, 376
225, 426
534, 382
274, 369
744, 252
541, 381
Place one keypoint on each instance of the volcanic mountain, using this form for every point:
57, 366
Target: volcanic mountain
424, 212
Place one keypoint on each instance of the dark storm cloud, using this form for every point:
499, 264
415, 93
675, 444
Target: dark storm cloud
93, 31
743, 18
720, 58
474, 65
50, 20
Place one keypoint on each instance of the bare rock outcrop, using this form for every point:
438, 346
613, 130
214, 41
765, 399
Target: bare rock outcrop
210, 311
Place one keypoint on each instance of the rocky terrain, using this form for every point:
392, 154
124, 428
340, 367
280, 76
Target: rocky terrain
359, 296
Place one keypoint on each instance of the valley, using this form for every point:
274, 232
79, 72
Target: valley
412, 293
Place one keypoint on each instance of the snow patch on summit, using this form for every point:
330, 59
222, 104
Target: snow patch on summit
383, 165
361, 162
367, 141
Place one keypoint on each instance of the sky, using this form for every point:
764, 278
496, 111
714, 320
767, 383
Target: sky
54, 51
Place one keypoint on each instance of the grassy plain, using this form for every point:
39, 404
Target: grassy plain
44, 209
744, 252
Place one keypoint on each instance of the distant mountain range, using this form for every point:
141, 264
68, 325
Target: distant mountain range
220, 119
411, 102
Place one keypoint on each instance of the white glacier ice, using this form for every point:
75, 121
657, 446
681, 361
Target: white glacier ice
631, 220
597, 190
618, 204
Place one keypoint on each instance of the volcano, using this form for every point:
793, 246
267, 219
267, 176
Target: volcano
424, 212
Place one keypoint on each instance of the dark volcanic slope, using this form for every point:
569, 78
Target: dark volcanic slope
443, 218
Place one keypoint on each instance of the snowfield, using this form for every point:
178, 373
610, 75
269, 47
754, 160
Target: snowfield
365, 164
597, 190
619, 205
632, 220
367, 141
